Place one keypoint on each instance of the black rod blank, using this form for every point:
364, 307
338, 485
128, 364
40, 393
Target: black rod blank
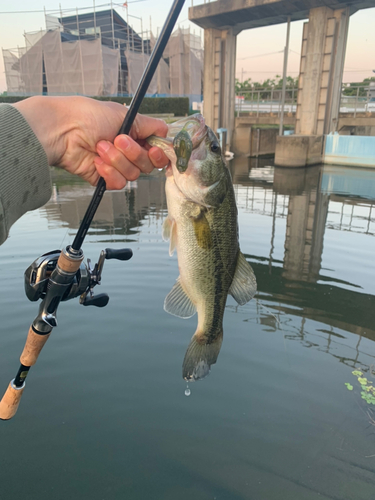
131, 114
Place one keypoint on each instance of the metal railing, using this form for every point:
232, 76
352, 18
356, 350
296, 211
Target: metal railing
362, 99
268, 100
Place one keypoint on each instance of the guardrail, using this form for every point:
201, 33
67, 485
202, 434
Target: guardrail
362, 100
268, 100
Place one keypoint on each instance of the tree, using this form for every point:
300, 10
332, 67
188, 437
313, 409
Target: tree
351, 89
264, 87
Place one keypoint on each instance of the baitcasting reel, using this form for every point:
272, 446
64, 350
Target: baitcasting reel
38, 274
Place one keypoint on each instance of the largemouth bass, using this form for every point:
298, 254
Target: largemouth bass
202, 227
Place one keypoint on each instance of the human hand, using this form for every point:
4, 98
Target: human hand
77, 134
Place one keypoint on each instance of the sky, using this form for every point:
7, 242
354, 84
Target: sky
259, 51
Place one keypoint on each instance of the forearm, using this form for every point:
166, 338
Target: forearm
25, 182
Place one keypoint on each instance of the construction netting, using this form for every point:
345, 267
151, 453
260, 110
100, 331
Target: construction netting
46, 65
185, 55
58, 62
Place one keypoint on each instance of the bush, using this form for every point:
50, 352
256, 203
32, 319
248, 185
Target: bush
179, 106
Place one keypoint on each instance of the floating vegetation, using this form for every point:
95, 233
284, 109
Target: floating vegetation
368, 389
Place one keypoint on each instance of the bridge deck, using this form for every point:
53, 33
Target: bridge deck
247, 14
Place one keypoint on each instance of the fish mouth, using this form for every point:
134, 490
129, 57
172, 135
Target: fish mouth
194, 130
193, 125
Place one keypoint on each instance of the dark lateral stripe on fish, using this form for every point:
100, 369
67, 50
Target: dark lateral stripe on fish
216, 325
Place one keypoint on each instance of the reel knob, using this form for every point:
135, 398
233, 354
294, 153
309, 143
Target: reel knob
100, 300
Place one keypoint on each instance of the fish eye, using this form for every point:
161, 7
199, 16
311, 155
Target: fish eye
215, 148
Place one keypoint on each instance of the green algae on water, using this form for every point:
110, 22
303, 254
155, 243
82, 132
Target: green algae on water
368, 389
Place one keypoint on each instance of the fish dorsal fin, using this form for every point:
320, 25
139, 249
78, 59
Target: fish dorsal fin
178, 303
170, 233
244, 284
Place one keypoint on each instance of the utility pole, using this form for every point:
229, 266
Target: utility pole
286, 51
113, 30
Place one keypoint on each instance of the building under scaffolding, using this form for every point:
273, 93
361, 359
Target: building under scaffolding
100, 54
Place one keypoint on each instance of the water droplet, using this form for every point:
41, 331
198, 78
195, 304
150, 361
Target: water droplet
187, 392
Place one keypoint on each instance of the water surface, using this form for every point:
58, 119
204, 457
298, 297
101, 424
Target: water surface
104, 414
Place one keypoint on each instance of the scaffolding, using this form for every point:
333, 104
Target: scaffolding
100, 54
185, 54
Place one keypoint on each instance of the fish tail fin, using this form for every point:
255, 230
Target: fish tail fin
200, 356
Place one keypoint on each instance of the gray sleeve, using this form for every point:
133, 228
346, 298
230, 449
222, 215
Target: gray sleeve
25, 182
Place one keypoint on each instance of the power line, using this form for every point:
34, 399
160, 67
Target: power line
267, 54
260, 55
68, 10
273, 72
297, 72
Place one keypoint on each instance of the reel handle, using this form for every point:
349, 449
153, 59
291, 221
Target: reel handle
121, 254
100, 300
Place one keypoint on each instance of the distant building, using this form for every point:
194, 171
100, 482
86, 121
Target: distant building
113, 32
99, 54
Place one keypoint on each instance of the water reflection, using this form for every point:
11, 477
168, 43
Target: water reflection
303, 206
311, 201
119, 213
275, 417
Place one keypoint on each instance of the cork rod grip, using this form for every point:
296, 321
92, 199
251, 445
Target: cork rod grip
68, 264
34, 344
10, 402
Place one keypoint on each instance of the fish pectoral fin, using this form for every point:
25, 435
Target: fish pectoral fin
170, 233
178, 303
244, 284
202, 232
167, 224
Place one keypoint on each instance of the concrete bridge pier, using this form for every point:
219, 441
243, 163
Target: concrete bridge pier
219, 79
321, 68
319, 87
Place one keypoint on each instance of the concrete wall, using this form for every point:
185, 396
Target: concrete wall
250, 141
298, 150
321, 68
219, 79
350, 150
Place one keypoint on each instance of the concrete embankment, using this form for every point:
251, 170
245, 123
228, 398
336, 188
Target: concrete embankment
352, 150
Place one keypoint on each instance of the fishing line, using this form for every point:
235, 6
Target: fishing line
268, 311
66, 232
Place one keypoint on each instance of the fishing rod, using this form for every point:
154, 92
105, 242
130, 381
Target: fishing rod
62, 275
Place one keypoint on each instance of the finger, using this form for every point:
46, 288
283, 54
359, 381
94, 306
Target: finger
116, 158
158, 158
144, 126
134, 153
113, 178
